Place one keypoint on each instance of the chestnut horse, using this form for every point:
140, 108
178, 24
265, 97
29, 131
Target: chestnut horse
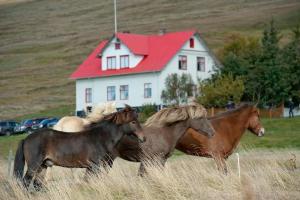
230, 127
85, 149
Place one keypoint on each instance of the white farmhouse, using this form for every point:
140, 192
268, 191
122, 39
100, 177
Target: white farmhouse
131, 68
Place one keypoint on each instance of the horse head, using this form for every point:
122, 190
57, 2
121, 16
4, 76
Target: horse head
202, 125
129, 117
254, 124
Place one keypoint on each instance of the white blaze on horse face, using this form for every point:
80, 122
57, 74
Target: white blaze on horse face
261, 132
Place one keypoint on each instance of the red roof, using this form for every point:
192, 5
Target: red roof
156, 49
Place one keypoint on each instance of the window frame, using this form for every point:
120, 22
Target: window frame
192, 43
201, 66
117, 45
180, 62
110, 92
126, 97
107, 59
88, 95
145, 89
124, 56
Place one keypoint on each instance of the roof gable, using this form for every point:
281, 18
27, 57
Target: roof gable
157, 50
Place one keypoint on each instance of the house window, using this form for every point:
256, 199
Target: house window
201, 64
117, 45
111, 62
111, 93
182, 62
124, 92
192, 43
147, 90
124, 61
88, 95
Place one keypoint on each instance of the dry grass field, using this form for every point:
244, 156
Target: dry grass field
42, 42
265, 174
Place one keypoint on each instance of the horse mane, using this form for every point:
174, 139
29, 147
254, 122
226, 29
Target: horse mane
100, 110
242, 106
174, 114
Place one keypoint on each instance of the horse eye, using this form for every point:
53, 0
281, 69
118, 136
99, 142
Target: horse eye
133, 122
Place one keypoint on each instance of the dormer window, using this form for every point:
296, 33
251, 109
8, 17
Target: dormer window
117, 45
124, 61
111, 62
192, 44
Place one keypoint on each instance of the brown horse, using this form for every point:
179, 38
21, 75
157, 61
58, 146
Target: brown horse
85, 149
230, 127
162, 130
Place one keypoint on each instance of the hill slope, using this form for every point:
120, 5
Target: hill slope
42, 42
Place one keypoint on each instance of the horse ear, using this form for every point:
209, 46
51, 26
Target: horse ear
255, 105
127, 107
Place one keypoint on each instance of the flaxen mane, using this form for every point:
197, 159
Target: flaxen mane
170, 115
100, 110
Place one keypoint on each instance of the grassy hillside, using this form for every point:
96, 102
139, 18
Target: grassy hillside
42, 42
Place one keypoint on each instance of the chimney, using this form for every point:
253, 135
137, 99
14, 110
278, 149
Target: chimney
162, 31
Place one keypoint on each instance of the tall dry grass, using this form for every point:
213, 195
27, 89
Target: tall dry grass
264, 175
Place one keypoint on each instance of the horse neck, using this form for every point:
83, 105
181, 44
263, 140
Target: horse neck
238, 125
178, 129
111, 131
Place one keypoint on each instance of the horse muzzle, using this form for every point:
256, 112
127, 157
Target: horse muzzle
261, 132
141, 137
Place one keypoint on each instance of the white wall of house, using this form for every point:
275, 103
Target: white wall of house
199, 50
135, 84
124, 50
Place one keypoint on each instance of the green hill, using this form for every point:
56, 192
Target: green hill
42, 42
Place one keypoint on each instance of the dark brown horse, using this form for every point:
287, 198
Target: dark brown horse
230, 127
85, 149
162, 130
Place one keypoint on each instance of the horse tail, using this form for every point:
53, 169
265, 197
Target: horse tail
19, 161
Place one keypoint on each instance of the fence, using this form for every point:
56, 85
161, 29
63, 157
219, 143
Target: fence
267, 113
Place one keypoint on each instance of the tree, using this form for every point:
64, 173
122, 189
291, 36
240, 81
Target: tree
146, 111
239, 54
272, 78
216, 92
260, 64
177, 89
290, 57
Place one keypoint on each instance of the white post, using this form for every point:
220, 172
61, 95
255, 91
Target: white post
10, 161
115, 10
238, 165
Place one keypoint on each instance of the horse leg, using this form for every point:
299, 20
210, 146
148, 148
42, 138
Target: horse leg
108, 162
91, 170
221, 165
142, 170
224, 166
40, 177
32, 169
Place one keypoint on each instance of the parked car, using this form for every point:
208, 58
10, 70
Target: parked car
52, 124
26, 125
44, 123
7, 127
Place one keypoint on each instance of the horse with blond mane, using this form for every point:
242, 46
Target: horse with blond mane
162, 130
76, 124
